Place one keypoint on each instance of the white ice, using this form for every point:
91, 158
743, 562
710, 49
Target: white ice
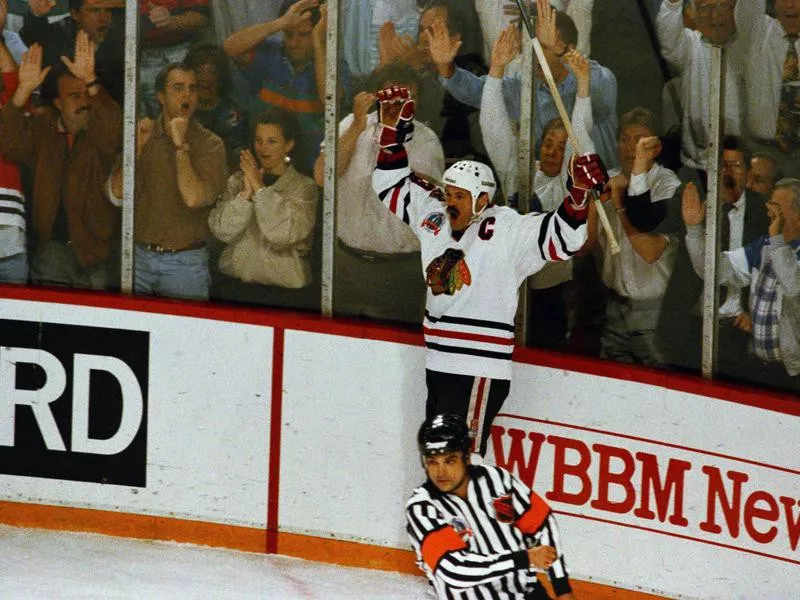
47, 565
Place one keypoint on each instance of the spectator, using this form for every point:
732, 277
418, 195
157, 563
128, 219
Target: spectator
558, 37
180, 171
10, 39
216, 111
763, 174
266, 217
770, 266
477, 528
636, 277
168, 28
13, 245
547, 314
233, 16
361, 26
744, 219
289, 73
773, 79
57, 38
372, 245
689, 51
70, 151
452, 120
475, 257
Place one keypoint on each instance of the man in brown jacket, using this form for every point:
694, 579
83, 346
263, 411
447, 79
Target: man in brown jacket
71, 151
181, 170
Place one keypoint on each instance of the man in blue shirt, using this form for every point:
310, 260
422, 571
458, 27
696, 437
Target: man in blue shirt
561, 37
288, 73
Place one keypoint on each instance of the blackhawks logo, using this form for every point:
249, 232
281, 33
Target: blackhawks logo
448, 273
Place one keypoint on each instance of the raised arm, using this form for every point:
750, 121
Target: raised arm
734, 269
242, 42
400, 190
671, 33
499, 136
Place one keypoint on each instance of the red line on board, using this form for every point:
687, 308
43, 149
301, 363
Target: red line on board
651, 441
677, 535
275, 420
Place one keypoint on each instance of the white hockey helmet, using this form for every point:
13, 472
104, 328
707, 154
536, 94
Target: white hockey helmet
473, 176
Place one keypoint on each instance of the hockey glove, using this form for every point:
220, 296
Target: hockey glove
396, 115
586, 173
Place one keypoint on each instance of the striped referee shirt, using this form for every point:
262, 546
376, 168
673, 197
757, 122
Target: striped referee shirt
477, 548
473, 281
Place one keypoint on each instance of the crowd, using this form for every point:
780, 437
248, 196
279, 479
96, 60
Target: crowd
230, 159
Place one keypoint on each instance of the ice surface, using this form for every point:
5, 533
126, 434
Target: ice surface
50, 565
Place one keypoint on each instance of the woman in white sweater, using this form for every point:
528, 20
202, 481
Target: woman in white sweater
266, 218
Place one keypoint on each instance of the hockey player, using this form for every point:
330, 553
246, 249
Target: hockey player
475, 255
477, 530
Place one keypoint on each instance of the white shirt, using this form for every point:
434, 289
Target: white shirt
363, 222
691, 55
627, 273
768, 45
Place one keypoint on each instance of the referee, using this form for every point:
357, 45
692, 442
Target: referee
477, 530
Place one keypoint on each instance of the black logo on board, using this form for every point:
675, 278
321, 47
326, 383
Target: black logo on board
73, 402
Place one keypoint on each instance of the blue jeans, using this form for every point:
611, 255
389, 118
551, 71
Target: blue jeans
176, 274
14, 269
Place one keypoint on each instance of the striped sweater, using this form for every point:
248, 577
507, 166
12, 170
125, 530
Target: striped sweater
476, 548
473, 281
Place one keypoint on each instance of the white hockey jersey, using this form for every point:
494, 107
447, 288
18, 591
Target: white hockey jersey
473, 281
477, 548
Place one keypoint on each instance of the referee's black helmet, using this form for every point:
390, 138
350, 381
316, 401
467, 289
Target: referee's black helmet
444, 433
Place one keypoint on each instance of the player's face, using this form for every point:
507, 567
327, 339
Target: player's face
459, 207
761, 175
553, 146
448, 472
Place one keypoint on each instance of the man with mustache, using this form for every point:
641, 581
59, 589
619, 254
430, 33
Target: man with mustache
57, 38
70, 151
181, 170
475, 255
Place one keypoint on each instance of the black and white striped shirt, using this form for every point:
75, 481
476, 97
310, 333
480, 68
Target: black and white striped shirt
475, 549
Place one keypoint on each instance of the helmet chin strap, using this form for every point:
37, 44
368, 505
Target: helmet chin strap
477, 213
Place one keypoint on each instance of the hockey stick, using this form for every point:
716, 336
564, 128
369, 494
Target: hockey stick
562, 111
